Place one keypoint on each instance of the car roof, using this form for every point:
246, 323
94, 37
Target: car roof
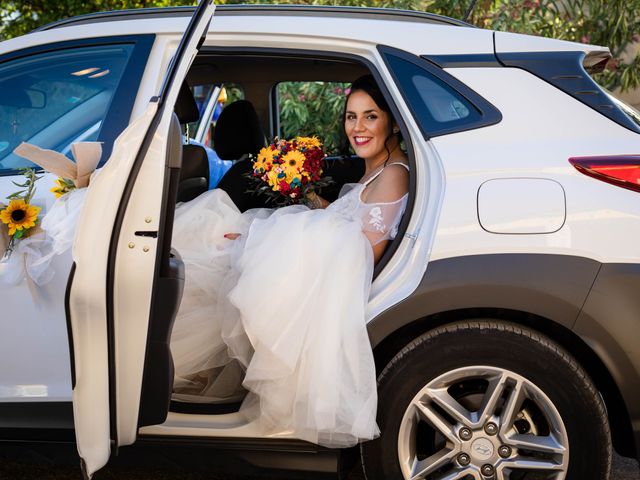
412, 31
266, 10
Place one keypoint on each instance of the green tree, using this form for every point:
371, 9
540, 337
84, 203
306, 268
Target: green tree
614, 23
18, 17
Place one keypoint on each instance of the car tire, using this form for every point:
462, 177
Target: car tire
534, 405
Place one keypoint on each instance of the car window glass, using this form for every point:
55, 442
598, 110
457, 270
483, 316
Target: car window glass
436, 104
56, 98
313, 108
442, 104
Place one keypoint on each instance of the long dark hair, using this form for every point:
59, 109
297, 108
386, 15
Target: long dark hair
368, 85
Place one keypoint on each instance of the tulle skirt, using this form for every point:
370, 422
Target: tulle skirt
280, 313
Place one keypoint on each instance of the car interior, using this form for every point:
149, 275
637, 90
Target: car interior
246, 125
242, 128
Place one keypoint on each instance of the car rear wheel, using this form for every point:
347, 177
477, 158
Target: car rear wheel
488, 400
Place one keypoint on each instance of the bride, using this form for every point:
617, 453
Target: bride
274, 301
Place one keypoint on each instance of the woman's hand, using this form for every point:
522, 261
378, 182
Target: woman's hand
316, 201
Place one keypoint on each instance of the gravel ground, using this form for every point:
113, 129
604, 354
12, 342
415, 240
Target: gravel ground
623, 469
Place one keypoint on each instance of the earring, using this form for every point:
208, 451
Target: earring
396, 130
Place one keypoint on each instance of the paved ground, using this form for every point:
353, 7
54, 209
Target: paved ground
624, 469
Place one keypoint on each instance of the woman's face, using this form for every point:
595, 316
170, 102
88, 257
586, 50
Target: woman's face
366, 126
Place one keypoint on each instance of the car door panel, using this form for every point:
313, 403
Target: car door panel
117, 255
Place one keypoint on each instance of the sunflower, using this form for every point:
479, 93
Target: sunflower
291, 173
19, 216
265, 154
309, 142
273, 180
62, 186
294, 160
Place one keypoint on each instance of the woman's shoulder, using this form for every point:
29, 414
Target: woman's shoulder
395, 170
391, 185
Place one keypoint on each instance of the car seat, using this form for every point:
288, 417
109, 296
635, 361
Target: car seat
194, 174
238, 134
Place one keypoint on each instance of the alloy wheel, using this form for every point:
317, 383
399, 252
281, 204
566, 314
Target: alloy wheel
482, 423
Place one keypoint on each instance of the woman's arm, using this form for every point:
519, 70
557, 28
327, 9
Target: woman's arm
378, 250
381, 220
316, 201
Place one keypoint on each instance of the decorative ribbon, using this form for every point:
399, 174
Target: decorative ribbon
86, 154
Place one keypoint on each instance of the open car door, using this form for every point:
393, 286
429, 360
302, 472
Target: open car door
125, 285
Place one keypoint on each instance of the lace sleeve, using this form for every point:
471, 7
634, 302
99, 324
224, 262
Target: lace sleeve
380, 220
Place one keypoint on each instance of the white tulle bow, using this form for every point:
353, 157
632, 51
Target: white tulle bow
31, 257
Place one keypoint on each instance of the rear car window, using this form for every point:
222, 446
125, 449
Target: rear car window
440, 103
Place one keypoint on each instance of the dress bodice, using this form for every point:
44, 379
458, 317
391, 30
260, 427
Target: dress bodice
379, 220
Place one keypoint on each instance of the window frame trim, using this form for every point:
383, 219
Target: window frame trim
120, 106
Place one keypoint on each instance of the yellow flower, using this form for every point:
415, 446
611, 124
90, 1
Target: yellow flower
309, 141
63, 186
265, 154
291, 173
263, 161
19, 215
293, 159
272, 178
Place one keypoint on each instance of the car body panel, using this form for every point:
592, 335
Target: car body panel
531, 144
549, 286
516, 42
88, 302
609, 323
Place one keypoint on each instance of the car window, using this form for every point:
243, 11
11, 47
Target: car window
313, 108
440, 103
55, 98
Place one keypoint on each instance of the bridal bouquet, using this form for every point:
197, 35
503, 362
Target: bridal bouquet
289, 171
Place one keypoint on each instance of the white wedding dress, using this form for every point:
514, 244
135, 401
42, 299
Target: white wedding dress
280, 312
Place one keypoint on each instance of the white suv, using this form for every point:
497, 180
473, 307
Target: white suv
503, 318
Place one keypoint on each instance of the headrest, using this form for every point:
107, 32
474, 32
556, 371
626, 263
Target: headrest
186, 107
238, 131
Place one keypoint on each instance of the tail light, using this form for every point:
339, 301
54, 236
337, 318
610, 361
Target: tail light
620, 170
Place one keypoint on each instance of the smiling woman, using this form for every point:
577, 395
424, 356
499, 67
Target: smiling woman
285, 356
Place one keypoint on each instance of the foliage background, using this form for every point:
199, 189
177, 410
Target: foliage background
613, 23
